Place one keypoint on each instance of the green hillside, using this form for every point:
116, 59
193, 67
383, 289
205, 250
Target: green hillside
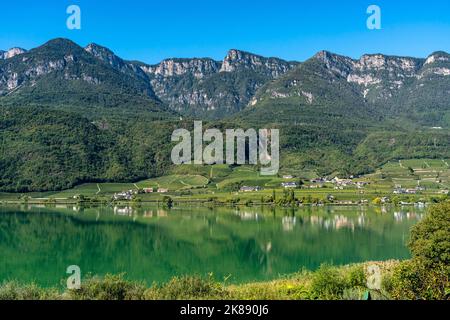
71, 115
44, 149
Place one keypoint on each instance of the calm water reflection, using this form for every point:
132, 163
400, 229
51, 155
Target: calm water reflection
154, 244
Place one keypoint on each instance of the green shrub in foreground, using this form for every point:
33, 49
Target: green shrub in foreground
331, 283
413, 280
427, 274
111, 287
16, 291
430, 238
187, 288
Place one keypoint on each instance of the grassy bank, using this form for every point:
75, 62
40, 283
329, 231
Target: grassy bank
351, 282
348, 282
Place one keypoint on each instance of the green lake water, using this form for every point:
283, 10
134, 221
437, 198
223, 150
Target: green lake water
154, 244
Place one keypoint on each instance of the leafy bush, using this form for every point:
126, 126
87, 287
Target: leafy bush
333, 283
356, 277
186, 288
111, 287
327, 283
430, 239
167, 201
427, 274
15, 291
412, 280
282, 290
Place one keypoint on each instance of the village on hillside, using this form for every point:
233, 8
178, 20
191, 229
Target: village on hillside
393, 181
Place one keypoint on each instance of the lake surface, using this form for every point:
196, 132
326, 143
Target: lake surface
154, 244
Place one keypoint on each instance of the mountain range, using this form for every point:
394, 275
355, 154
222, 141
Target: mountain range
336, 114
207, 88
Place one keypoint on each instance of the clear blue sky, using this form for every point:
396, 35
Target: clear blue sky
150, 30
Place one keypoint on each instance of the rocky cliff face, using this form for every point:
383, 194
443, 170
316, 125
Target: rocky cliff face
10, 80
436, 64
25, 70
387, 85
199, 68
61, 71
11, 53
202, 86
213, 88
114, 61
207, 88
176, 81
378, 76
271, 67
381, 77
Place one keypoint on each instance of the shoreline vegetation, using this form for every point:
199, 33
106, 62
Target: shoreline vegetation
270, 197
287, 200
348, 282
329, 282
426, 276
403, 182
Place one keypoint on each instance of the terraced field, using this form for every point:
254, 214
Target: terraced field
175, 182
93, 189
223, 181
429, 173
